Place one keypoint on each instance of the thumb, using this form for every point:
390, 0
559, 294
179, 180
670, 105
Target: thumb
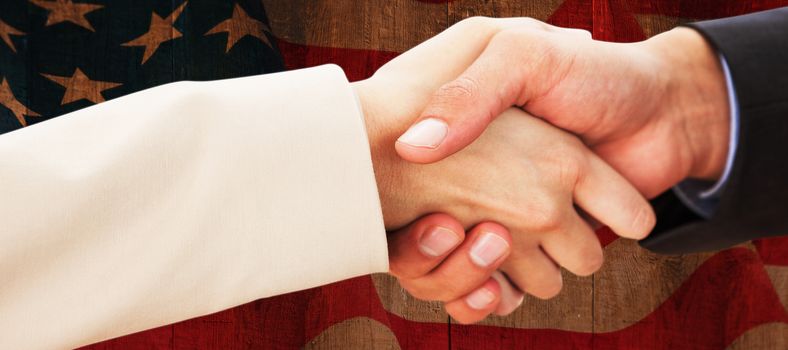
460, 110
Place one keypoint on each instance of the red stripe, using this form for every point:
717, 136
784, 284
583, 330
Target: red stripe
773, 251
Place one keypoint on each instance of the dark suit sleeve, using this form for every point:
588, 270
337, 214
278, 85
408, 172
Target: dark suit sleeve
754, 202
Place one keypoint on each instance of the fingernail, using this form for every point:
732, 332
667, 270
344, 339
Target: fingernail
488, 249
426, 133
511, 297
480, 298
438, 241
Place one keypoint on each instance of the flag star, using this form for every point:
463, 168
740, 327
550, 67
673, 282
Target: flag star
67, 11
5, 33
8, 100
239, 26
160, 31
79, 87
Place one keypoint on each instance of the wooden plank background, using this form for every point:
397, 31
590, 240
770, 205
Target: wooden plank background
638, 300
631, 284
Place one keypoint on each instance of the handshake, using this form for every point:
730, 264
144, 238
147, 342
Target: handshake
530, 136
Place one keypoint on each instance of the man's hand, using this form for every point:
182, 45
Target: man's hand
657, 111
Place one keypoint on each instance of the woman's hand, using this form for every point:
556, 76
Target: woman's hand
436, 251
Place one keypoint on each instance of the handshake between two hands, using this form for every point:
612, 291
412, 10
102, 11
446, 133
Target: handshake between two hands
554, 134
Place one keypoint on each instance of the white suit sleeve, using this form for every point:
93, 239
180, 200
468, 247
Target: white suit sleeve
180, 201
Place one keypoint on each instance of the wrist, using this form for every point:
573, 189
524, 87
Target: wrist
385, 161
697, 100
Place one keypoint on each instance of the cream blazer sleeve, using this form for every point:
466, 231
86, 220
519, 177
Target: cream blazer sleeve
180, 201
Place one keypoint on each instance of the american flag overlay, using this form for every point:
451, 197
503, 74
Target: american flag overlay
58, 56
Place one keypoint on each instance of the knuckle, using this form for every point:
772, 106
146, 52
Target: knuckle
568, 169
463, 87
537, 24
476, 22
529, 36
568, 161
547, 217
510, 39
582, 33
513, 35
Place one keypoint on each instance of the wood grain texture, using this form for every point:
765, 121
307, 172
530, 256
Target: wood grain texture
397, 301
655, 24
387, 25
626, 288
355, 333
768, 336
540, 10
571, 310
779, 277
459, 10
